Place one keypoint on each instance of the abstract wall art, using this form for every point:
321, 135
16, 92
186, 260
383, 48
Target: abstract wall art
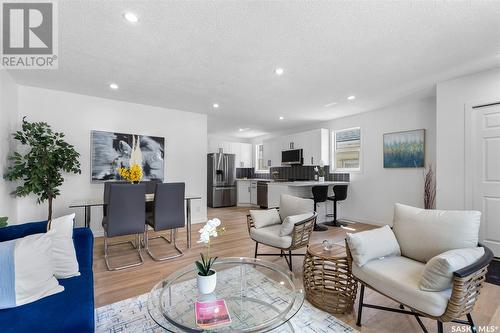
404, 149
111, 150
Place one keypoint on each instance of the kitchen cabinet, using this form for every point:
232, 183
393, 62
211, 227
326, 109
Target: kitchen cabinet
315, 147
241, 150
253, 192
243, 190
246, 156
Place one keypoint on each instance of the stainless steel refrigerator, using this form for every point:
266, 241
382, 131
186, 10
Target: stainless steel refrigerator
221, 183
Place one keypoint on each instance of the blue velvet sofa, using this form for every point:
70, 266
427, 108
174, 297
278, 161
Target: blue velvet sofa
69, 311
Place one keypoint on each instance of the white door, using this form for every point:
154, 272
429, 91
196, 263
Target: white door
485, 144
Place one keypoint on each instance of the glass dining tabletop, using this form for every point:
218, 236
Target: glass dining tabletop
260, 296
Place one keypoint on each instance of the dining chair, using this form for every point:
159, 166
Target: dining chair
150, 189
168, 214
125, 215
106, 193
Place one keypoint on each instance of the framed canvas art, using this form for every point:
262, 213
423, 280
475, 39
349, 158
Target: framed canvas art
111, 150
404, 149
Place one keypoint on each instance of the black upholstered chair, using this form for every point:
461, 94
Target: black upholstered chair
150, 189
168, 214
320, 194
125, 215
339, 194
106, 194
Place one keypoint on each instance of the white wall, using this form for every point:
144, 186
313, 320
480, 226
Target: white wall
76, 115
374, 190
452, 97
8, 122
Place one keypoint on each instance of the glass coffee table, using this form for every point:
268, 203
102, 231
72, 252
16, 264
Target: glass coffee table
259, 295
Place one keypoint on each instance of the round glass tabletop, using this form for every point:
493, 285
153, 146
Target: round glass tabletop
259, 295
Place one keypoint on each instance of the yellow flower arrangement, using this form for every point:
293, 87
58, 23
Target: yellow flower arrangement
132, 174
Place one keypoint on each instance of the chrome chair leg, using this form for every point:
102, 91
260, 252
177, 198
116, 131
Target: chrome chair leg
137, 246
173, 240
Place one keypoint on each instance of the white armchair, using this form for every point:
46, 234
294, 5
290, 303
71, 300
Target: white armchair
287, 229
418, 236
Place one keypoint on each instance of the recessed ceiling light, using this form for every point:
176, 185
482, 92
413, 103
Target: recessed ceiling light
215, 106
243, 129
131, 17
281, 117
113, 86
330, 104
351, 98
279, 71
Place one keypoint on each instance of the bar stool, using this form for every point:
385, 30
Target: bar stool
339, 194
320, 194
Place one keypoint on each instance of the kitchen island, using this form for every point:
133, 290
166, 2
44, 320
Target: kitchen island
301, 189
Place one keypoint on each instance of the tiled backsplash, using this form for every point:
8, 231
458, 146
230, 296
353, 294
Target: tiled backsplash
296, 172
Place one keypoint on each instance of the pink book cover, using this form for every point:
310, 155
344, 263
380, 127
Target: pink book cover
212, 314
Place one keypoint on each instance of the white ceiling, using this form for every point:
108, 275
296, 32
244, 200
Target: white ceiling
189, 54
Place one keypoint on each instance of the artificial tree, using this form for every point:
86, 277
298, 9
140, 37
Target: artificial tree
40, 165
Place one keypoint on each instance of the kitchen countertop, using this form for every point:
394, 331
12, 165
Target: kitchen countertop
256, 179
309, 183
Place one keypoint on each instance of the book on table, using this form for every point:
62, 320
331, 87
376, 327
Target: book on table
212, 314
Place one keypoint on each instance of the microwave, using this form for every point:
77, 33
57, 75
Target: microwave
292, 157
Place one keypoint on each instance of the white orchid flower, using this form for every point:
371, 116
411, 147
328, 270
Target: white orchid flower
209, 230
316, 169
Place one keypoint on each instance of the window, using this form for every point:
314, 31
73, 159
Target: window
346, 152
260, 163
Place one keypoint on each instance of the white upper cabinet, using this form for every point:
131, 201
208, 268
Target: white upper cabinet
314, 144
246, 155
243, 151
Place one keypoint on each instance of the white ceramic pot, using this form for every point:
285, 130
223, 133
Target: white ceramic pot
321, 179
206, 284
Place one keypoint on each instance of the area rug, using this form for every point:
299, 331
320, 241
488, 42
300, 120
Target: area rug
131, 315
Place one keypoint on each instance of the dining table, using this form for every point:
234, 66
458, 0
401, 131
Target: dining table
88, 204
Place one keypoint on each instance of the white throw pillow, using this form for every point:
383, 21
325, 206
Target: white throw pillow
290, 221
372, 244
26, 270
264, 218
423, 234
63, 248
438, 272
290, 205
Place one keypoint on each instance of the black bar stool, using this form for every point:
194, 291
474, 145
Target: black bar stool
320, 194
339, 194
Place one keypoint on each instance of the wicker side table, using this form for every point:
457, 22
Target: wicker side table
328, 282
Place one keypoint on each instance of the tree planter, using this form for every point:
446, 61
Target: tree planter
207, 284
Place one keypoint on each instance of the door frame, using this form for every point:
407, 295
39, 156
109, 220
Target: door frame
469, 162
470, 122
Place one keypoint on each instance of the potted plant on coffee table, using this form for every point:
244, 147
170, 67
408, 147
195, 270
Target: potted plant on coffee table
207, 276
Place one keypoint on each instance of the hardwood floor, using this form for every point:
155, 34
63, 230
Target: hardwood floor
119, 285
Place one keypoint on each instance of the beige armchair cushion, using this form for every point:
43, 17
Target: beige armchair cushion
438, 272
372, 244
264, 218
271, 236
398, 278
290, 221
290, 205
423, 234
